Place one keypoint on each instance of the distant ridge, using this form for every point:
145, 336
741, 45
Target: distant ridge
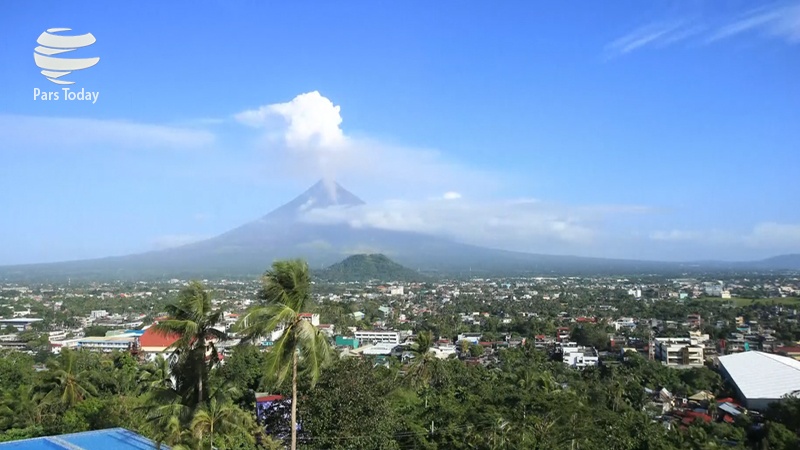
365, 267
286, 232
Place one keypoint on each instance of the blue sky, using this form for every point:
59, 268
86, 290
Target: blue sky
659, 130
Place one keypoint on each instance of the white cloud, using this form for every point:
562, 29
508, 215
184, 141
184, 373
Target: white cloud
773, 235
652, 35
451, 195
767, 236
304, 139
674, 235
175, 240
780, 21
68, 133
311, 122
522, 225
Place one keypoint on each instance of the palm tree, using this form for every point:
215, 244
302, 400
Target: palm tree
419, 370
64, 383
156, 375
286, 293
193, 320
220, 416
19, 408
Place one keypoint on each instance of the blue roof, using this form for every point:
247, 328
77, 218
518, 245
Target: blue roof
112, 438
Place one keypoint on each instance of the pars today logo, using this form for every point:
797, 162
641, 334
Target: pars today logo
52, 44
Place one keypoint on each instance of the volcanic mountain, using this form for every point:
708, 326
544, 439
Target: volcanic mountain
252, 247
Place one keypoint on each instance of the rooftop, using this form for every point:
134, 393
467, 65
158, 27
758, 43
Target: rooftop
116, 438
762, 375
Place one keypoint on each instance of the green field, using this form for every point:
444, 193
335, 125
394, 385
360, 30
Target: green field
741, 301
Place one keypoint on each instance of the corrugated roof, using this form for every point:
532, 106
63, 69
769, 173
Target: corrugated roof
116, 438
153, 338
762, 375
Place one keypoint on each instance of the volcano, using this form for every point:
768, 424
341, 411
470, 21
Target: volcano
251, 248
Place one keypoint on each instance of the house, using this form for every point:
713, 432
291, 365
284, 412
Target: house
791, 352
577, 356
358, 315
313, 318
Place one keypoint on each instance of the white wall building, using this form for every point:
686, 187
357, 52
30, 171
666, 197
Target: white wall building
387, 337
761, 378
578, 357
396, 290
679, 351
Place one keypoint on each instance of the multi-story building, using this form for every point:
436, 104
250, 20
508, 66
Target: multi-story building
679, 352
386, 337
313, 318
577, 356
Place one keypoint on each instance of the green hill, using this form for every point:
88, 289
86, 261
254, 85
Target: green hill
369, 267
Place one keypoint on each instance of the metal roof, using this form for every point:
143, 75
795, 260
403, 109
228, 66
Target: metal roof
113, 438
762, 375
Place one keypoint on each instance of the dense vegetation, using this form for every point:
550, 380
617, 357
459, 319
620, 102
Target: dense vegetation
368, 267
518, 399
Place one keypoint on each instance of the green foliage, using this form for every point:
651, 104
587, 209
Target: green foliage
96, 330
348, 408
369, 267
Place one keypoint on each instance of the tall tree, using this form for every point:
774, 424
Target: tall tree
301, 346
193, 320
65, 383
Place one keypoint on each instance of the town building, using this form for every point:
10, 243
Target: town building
375, 337
679, 352
761, 378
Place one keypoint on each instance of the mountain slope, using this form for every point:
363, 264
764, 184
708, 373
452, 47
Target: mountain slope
366, 267
251, 248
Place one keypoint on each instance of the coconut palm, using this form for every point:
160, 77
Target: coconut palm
301, 346
156, 375
193, 320
19, 408
419, 371
65, 383
218, 417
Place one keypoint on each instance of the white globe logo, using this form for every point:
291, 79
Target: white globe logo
51, 44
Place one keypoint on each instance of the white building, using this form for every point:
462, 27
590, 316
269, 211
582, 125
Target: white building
761, 378
20, 323
679, 352
444, 351
313, 318
106, 344
577, 356
98, 314
472, 338
624, 323
396, 290
379, 349
387, 337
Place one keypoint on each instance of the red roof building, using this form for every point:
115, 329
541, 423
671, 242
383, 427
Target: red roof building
153, 341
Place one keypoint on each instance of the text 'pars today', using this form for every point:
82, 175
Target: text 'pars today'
66, 94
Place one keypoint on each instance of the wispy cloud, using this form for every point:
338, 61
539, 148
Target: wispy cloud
508, 224
652, 35
780, 21
56, 133
768, 236
175, 240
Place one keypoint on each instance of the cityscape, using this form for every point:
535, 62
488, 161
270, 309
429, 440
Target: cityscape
400, 226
